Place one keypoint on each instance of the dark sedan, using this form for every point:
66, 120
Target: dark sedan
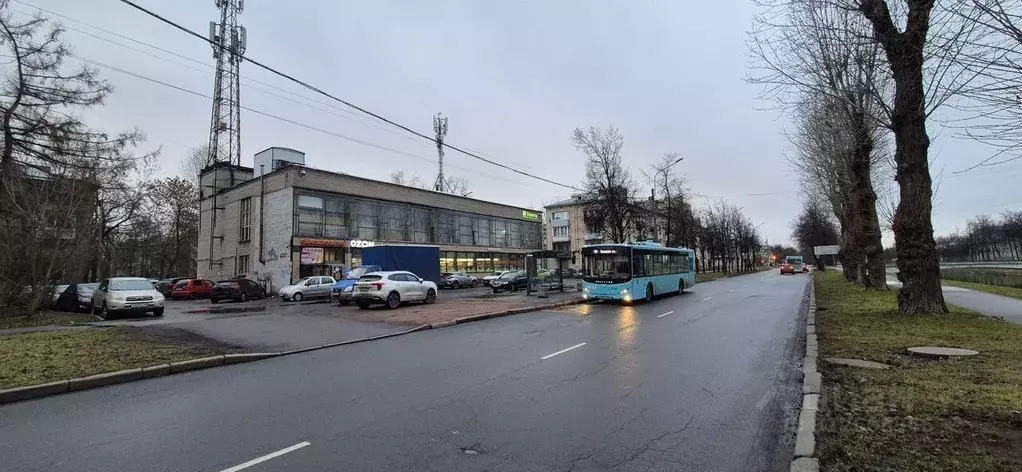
76, 297
510, 282
236, 289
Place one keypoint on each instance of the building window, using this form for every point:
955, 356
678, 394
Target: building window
396, 220
560, 215
309, 201
483, 232
515, 241
242, 264
420, 226
245, 222
560, 230
465, 230
562, 246
367, 222
499, 233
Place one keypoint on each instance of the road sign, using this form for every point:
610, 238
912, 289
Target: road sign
823, 250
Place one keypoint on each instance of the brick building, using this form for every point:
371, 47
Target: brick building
317, 223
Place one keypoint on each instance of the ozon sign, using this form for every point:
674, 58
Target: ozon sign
360, 243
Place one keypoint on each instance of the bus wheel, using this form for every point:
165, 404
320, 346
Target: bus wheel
649, 293
681, 286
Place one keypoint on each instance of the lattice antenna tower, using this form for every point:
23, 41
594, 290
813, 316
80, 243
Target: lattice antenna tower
229, 40
440, 128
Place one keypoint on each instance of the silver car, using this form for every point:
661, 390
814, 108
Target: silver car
308, 287
118, 295
457, 280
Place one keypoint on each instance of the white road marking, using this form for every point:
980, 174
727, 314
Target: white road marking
707, 298
665, 314
732, 290
764, 399
562, 351
267, 457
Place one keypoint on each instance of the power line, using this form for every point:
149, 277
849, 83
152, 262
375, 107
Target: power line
339, 100
278, 117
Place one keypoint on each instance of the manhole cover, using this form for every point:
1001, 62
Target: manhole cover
940, 352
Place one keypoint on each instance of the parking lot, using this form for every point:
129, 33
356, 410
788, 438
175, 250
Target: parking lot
272, 324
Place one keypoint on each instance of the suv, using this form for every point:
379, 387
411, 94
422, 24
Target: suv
392, 288
457, 280
126, 295
342, 290
240, 289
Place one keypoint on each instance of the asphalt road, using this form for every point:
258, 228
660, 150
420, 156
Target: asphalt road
702, 381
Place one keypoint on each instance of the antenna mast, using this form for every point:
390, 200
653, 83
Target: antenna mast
440, 128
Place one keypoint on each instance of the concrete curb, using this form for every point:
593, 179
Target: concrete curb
812, 381
498, 314
141, 373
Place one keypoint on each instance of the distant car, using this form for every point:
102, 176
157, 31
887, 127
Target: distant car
118, 295
240, 289
308, 287
787, 269
166, 286
495, 275
77, 297
57, 291
392, 289
192, 289
457, 280
342, 289
510, 282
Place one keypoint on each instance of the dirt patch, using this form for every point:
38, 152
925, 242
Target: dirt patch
180, 337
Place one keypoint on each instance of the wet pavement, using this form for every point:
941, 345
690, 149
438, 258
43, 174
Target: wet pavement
704, 381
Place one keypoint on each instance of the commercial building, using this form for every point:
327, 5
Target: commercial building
566, 231
297, 221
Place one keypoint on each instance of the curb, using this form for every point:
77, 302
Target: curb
498, 314
812, 381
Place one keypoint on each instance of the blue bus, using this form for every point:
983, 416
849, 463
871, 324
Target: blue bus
635, 271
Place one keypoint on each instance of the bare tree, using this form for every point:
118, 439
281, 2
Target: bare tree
607, 181
678, 217
456, 185
195, 160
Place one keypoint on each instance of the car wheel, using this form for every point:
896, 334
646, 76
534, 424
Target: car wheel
213, 300
297, 296
104, 312
363, 305
393, 300
649, 293
244, 297
475, 283
455, 285
430, 297
158, 312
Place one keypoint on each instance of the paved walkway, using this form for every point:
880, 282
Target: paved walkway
986, 303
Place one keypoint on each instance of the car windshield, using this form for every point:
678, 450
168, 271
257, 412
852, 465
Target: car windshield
227, 283
369, 278
182, 284
301, 281
119, 285
356, 273
508, 275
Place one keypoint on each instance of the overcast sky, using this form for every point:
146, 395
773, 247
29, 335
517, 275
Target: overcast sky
514, 78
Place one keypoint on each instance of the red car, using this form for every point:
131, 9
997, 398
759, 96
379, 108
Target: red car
787, 269
192, 289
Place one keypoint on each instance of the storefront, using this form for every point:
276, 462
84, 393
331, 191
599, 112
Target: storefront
331, 257
480, 263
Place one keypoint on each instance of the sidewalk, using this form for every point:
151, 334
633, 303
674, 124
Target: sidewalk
452, 309
988, 304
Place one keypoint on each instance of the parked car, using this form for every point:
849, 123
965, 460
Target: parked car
510, 282
192, 289
57, 291
119, 295
308, 287
457, 280
495, 275
342, 289
393, 288
240, 289
166, 286
77, 297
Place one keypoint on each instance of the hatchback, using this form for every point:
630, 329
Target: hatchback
192, 289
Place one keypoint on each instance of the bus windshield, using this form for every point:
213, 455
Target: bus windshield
794, 260
607, 264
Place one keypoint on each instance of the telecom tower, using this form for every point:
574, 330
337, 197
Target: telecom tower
228, 46
440, 128
228, 41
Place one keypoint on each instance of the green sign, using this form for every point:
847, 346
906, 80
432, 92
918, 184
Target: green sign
530, 215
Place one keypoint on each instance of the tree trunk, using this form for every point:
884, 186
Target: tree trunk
918, 264
864, 207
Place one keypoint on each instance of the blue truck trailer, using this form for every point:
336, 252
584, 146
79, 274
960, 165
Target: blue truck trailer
423, 261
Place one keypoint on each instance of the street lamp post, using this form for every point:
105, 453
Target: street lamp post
667, 190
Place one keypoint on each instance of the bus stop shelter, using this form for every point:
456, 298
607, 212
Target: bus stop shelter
546, 270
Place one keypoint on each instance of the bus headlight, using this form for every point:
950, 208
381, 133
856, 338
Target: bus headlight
624, 291
627, 298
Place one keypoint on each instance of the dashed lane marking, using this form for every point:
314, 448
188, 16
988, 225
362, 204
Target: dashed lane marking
562, 351
267, 457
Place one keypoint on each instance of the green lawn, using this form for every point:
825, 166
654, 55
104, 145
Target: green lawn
45, 318
34, 358
995, 289
708, 276
921, 415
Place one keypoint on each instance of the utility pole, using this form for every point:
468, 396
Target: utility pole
229, 40
440, 128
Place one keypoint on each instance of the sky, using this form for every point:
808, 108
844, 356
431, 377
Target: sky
513, 78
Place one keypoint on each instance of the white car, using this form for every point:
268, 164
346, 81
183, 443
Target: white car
118, 295
308, 287
392, 288
496, 275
